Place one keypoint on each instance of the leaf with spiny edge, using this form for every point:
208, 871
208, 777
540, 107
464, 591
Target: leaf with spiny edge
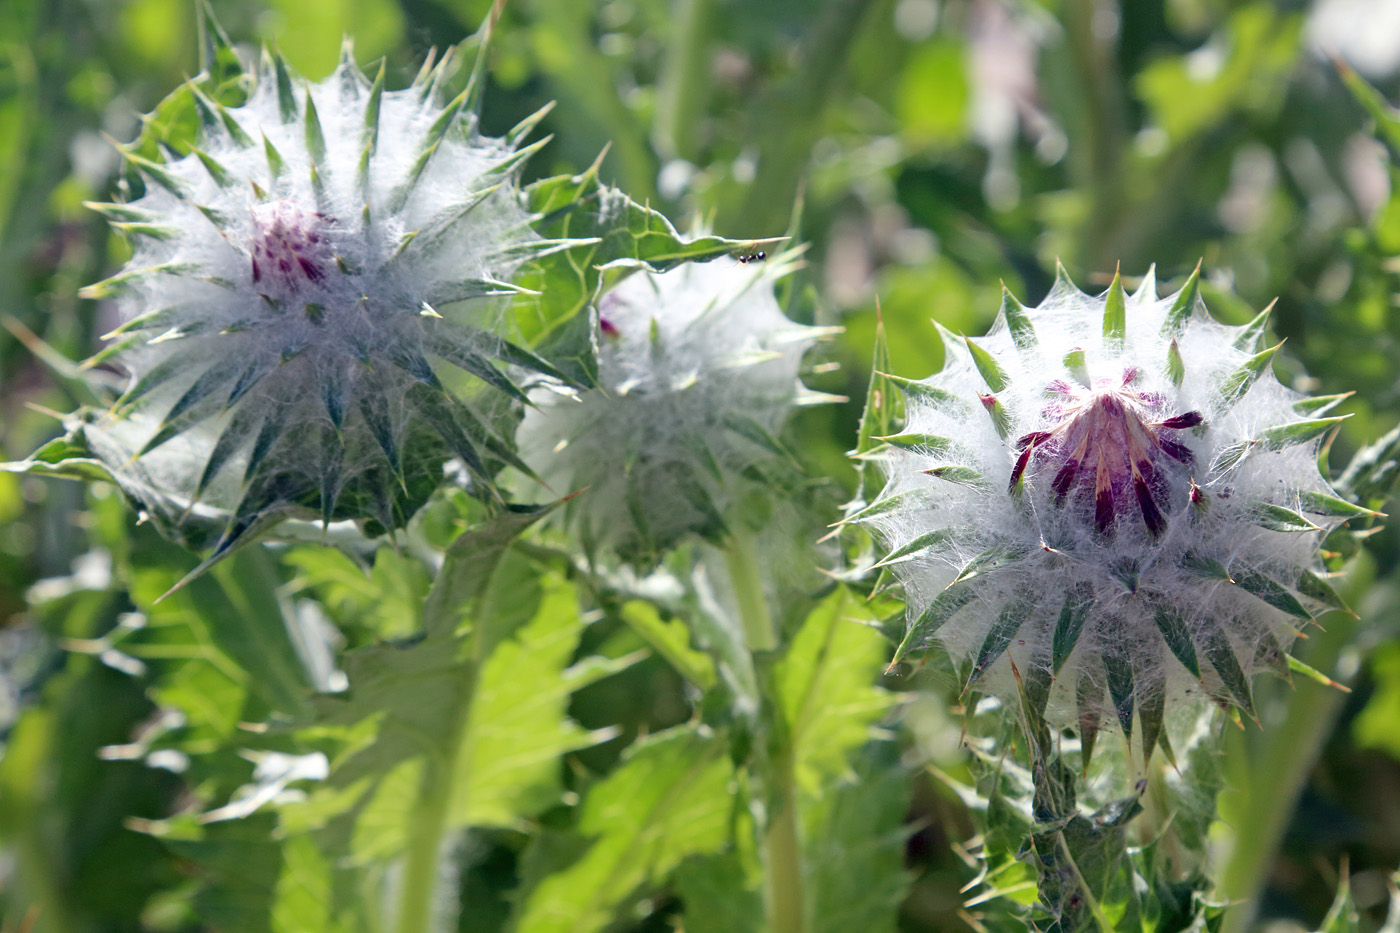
1009, 621
1115, 314
1017, 320
1177, 637
1184, 306
1242, 379
1271, 592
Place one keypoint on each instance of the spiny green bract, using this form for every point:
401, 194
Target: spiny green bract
1112, 497
309, 316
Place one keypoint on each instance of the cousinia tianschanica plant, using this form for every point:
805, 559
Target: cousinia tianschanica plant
311, 313
697, 373
1112, 497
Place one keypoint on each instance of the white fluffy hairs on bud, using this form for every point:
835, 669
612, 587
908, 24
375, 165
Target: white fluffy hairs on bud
1115, 495
311, 284
697, 372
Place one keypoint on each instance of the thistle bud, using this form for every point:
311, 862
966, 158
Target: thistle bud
697, 373
1113, 496
307, 314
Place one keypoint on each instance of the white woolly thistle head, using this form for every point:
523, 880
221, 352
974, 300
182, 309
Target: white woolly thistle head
697, 373
308, 314
1111, 499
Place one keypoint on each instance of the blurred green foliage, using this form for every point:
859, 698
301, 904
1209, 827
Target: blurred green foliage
936, 148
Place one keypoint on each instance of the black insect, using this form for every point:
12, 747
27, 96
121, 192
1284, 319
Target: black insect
752, 257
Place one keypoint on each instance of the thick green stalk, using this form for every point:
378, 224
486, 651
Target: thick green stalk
428, 822
684, 85
783, 850
782, 846
1270, 775
742, 562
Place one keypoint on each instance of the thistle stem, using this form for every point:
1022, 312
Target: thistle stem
1269, 791
428, 821
782, 846
742, 562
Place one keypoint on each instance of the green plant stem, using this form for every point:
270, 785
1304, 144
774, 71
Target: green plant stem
783, 849
431, 813
742, 562
684, 85
1274, 776
782, 846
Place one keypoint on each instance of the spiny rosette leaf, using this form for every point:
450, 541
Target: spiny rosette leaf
1114, 494
311, 314
698, 369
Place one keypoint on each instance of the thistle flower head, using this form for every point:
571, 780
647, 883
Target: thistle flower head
1115, 497
307, 312
697, 373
